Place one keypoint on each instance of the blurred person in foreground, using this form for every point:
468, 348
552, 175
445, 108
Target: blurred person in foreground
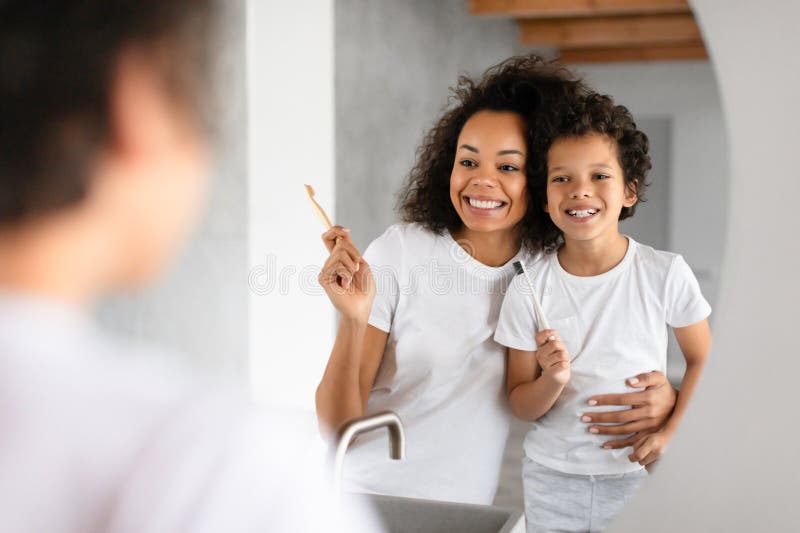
104, 151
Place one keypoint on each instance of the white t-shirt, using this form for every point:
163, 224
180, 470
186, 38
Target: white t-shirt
441, 372
99, 437
615, 327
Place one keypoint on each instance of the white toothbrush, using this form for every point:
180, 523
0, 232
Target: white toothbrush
519, 267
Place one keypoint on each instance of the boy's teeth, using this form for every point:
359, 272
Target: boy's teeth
484, 204
581, 213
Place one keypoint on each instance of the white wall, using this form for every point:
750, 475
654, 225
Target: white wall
290, 139
734, 465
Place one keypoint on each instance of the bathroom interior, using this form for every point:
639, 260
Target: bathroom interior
339, 93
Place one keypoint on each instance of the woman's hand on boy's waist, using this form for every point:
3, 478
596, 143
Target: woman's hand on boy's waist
649, 410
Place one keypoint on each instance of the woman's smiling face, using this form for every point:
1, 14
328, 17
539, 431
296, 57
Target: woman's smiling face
488, 182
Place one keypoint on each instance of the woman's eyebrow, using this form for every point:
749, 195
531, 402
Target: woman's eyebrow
506, 152
470, 148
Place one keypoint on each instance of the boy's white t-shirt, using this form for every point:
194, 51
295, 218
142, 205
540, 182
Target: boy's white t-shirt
441, 372
615, 327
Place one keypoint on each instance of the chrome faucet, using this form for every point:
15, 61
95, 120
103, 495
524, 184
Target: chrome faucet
353, 428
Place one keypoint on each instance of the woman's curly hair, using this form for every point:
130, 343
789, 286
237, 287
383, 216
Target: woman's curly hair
541, 92
597, 113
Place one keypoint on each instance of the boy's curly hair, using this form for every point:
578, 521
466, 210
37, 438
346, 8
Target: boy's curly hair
597, 113
541, 92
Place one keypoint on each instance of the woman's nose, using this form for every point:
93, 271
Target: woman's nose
483, 180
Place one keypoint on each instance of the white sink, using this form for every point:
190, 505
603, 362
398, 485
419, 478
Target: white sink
409, 515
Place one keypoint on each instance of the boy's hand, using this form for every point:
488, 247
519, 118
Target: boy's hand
552, 356
650, 447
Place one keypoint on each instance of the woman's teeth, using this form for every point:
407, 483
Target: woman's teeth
582, 213
484, 204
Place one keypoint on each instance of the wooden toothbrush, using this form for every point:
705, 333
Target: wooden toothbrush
321, 212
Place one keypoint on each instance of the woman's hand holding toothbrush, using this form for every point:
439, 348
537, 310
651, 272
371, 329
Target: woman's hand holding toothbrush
346, 277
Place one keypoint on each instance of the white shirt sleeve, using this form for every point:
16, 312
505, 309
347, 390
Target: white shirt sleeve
685, 304
517, 322
385, 257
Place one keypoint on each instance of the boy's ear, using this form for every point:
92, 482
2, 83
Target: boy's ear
631, 196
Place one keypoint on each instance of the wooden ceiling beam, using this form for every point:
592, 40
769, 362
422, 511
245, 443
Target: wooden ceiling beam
574, 8
610, 31
679, 52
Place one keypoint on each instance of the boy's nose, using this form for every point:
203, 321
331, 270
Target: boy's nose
580, 190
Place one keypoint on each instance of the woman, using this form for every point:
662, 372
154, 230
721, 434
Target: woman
418, 311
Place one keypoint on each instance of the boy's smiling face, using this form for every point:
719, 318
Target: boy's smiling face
585, 187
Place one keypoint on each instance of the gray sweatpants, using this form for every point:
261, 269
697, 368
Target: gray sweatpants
559, 502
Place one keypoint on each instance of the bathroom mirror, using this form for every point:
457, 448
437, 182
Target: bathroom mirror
394, 62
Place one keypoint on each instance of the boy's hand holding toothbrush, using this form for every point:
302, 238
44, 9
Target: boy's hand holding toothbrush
552, 356
551, 353
346, 277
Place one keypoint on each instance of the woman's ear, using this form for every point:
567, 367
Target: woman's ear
631, 193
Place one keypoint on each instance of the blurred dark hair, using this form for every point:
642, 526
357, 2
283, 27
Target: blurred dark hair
597, 113
537, 90
57, 61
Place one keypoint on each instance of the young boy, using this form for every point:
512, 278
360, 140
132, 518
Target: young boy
608, 300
